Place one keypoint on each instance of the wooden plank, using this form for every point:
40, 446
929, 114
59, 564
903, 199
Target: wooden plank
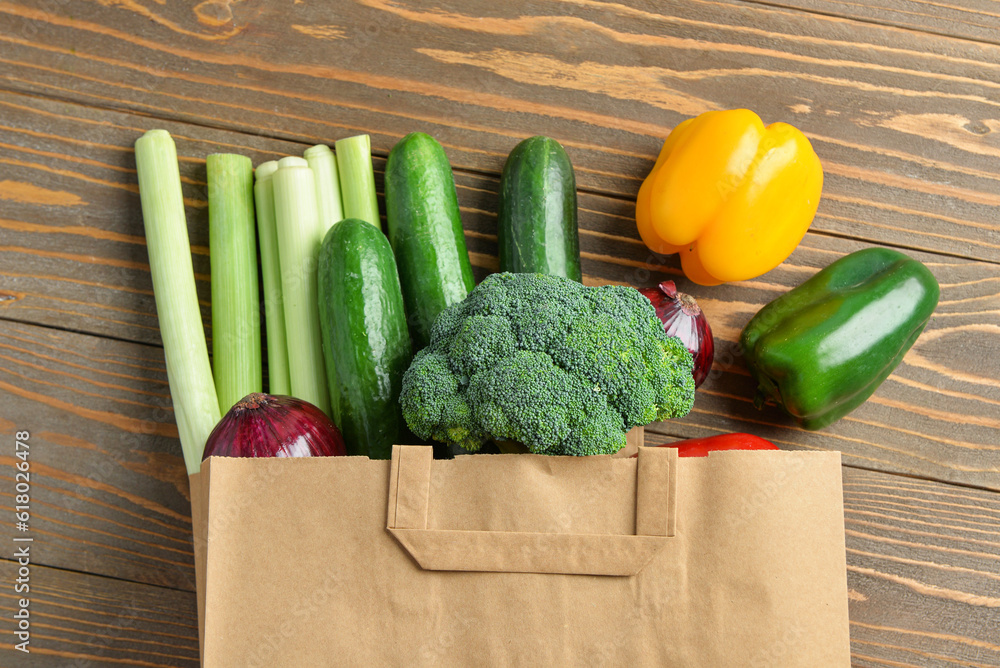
904, 122
923, 567
977, 20
922, 576
72, 245
82, 620
109, 492
70, 279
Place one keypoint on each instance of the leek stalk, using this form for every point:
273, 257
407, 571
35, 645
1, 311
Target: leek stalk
274, 315
189, 372
299, 238
357, 178
235, 299
324, 168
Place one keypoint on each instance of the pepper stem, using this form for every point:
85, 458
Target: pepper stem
759, 398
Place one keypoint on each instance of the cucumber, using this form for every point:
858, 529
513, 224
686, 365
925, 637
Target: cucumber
536, 215
425, 231
366, 344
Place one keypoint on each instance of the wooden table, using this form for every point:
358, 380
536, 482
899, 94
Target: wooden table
901, 99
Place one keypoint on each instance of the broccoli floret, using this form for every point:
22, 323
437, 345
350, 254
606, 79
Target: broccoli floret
526, 397
545, 361
435, 407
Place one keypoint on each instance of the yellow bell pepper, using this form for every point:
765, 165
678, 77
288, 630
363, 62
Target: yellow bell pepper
733, 197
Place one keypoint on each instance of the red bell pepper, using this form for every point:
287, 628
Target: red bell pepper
700, 447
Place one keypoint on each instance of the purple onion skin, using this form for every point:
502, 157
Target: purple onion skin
682, 317
268, 425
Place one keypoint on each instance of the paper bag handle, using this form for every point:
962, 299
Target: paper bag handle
522, 552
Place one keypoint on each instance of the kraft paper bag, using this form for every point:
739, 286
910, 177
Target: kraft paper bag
735, 559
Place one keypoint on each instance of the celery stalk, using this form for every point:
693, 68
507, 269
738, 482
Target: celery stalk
299, 238
324, 167
235, 299
274, 315
357, 178
189, 372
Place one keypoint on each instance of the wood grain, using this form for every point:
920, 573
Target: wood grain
72, 252
906, 123
109, 492
83, 621
923, 564
977, 20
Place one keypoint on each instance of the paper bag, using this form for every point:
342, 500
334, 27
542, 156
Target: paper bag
735, 559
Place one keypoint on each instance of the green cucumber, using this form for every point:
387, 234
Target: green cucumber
366, 344
536, 215
425, 230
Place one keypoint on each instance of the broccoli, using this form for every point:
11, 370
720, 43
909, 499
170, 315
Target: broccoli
563, 368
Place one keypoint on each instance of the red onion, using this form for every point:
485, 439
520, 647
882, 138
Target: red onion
266, 425
682, 317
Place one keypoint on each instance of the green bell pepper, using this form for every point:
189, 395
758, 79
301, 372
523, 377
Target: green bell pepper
821, 349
